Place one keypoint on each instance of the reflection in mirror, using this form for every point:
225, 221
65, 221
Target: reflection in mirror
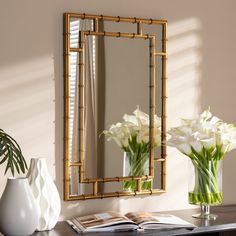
157, 180
124, 27
108, 75
152, 29
76, 188
114, 95
158, 87
110, 186
155, 30
75, 26
111, 91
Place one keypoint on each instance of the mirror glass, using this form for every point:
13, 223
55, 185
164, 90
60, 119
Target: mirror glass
120, 84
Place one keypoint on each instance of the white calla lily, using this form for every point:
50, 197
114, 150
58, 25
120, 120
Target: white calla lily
206, 131
184, 148
197, 146
136, 127
209, 143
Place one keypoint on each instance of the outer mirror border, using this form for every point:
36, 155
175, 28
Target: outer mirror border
163, 54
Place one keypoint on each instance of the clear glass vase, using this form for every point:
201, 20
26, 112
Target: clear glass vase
136, 164
205, 187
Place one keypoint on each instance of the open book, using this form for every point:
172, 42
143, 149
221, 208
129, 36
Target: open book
113, 221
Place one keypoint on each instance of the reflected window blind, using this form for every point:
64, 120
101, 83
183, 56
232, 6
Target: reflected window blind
74, 43
75, 27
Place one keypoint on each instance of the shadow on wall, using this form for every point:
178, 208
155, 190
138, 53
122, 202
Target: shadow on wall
184, 70
28, 107
184, 93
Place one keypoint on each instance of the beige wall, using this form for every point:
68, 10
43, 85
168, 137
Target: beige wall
201, 72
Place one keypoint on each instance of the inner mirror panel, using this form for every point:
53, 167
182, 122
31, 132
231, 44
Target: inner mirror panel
120, 84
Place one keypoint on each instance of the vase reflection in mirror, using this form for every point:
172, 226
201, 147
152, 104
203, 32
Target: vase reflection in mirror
45, 193
19, 213
136, 164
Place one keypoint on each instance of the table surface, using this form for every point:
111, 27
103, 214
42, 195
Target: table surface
226, 220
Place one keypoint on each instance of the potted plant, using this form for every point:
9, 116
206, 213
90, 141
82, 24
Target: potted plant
18, 209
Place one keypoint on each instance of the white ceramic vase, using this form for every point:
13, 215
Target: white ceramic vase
45, 193
19, 213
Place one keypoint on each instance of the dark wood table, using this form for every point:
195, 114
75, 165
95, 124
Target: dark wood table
224, 225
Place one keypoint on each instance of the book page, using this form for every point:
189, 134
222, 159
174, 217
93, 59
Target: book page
170, 219
100, 220
141, 217
157, 220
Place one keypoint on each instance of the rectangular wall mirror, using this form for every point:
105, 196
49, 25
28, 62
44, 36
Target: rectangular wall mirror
112, 66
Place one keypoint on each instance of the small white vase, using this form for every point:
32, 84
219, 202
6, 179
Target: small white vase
19, 213
45, 193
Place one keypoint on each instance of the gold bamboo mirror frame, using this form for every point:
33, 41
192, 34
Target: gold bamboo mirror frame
75, 64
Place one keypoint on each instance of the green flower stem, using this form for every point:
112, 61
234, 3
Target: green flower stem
206, 189
138, 163
202, 161
204, 172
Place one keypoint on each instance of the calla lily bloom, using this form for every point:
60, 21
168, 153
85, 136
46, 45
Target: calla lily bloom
205, 132
134, 127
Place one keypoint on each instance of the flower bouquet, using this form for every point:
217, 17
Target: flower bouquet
205, 141
132, 135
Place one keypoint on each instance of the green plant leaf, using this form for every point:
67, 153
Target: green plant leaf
16, 165
11, 153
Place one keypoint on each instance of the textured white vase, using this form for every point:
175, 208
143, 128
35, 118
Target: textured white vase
45, 193
19, 213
